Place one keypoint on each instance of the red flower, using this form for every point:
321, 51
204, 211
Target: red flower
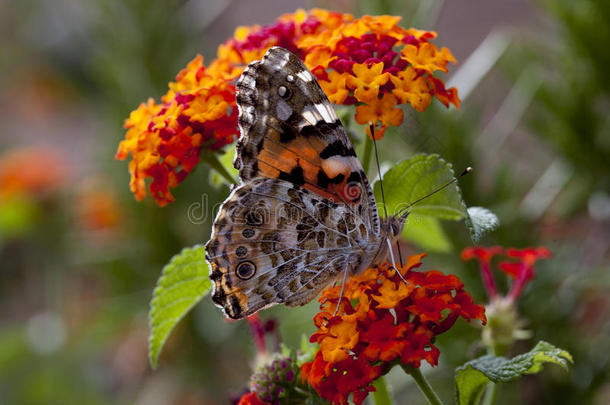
521, 271
336, 381
382, 319
251, 398
484, 255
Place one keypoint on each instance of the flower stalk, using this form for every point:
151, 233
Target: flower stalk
423, 384
211, 159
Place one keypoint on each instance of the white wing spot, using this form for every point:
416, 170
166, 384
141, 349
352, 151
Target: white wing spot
326, 112
311, 116
305, 75
336, 165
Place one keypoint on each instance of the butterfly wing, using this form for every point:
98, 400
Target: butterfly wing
290, 131
304, 212
275, 242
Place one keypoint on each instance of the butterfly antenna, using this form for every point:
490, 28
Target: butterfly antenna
385, 208
405, 211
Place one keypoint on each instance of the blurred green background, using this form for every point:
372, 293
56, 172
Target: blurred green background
80, 257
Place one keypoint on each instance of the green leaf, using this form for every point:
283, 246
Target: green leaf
183, 283
414, 178
481, 221
472, 378
427, 232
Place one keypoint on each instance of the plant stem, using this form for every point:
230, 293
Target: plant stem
368, 149
212, 160
490, 394
423, 384
490, 391
381, 395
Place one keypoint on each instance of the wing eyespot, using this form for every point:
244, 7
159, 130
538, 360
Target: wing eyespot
245, 270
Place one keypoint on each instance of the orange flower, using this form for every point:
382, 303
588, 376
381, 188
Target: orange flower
427, 57
366, 81
411, 88
369, 60
335, 87
97, 206
381, 110
382, 320
31, 171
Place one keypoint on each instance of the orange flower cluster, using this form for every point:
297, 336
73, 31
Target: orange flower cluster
381, 319
369, 62
165, 140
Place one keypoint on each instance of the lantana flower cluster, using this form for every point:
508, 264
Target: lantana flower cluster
370, 62
382, 320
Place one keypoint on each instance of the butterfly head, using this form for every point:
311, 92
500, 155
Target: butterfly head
392, 226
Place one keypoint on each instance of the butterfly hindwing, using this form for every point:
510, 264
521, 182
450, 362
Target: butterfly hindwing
275, 242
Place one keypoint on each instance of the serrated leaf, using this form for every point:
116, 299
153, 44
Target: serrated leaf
481, 221
412, 179
183, 283
472, 378
427, 232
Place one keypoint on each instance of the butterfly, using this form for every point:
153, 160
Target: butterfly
304, 215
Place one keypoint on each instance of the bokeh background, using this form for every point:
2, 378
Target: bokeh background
79, 257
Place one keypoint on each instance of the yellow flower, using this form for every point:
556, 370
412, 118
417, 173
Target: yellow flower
427, 57
380, 110
366, 81
411, 88
335, 87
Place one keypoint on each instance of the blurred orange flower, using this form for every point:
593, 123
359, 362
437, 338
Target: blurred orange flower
382, 319
97, 206
31, 171
369, 61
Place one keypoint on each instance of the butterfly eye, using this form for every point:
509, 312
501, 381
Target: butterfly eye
283, 92
245, 270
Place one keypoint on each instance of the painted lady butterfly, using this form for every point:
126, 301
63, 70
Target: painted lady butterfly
304, 214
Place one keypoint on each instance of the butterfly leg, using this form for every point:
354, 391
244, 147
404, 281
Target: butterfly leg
342, 290
394, 261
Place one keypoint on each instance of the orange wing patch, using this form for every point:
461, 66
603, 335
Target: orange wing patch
301, 162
